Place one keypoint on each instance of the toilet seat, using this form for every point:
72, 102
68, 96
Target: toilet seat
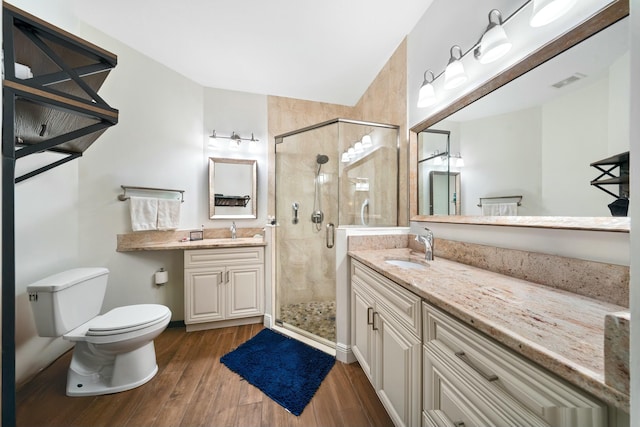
125, 319
121, 323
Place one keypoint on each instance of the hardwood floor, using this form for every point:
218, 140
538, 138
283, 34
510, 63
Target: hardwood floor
192, 388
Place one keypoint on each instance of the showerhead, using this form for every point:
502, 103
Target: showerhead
322, 159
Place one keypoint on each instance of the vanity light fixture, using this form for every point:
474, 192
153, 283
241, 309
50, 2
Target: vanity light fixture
235, 139
427, 94
345, 157
494, 42
351, 153
546, 11
454, 74
455, 160
366, 141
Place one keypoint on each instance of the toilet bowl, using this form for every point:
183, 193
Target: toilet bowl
114, 351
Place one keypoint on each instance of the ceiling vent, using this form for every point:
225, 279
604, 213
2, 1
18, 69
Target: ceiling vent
573, 78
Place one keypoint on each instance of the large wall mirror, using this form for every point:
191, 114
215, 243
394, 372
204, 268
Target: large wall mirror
232, 188
536, 137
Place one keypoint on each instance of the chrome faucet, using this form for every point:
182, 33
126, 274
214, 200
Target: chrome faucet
427, 240
233, 230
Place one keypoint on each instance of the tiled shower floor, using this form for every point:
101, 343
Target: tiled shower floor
317, 317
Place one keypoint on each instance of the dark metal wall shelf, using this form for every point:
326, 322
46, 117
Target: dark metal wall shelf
608, 177
50, 103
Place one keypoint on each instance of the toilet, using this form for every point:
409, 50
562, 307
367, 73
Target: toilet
114, 351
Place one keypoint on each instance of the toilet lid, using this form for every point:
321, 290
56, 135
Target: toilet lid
127, 319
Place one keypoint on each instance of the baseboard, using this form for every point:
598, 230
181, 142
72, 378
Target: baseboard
176, 324
344, 353
223, 323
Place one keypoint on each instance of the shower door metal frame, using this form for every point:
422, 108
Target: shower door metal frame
280, 139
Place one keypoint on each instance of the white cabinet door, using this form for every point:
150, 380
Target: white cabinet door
244, 291
204, 294
361, 332
398, 364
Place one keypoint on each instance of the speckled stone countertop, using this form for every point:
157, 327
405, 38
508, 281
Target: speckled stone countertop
559, 330
194, 244
613, 224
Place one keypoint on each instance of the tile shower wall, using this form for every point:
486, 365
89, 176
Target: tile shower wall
383, 102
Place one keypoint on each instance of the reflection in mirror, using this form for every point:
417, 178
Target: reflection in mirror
232, 188
538, 135
444, 193
438, 185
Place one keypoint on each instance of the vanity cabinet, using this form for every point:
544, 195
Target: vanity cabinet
223, 287
471, 380
386, 340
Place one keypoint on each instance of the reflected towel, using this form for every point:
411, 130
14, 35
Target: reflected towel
168, 214
144, 213
500, 209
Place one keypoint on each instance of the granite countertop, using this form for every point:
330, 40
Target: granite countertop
133, 245
559, 330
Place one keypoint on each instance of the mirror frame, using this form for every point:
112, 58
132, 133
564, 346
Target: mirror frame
609, 15
212, 206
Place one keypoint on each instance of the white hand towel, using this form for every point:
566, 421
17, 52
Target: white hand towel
144, 213
508, 209
168, 214
500, 209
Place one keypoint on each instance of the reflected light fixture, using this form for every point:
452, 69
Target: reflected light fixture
494, 42
366, 141
345, 157
352, 153
454, 74
427, 95
358, 147
546, 11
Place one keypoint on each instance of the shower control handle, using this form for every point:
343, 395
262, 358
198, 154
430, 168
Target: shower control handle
295, 206
331, 235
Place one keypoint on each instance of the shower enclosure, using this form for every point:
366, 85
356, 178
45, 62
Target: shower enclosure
336, 173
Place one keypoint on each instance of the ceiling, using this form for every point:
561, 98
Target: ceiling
328, 51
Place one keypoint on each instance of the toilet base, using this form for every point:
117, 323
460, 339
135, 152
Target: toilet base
93, 372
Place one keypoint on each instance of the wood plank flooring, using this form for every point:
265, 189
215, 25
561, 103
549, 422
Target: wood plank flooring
192, 388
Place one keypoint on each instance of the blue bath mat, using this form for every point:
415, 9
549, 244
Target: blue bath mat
286, 370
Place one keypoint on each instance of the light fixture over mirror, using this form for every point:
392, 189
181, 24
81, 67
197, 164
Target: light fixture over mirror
427, 95
454, 74
547, 11
494, 43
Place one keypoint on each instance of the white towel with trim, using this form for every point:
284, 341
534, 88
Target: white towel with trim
168, 214
144, 213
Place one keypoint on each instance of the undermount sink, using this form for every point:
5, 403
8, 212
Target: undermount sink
403, 263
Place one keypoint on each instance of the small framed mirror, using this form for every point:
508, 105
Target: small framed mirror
232, 188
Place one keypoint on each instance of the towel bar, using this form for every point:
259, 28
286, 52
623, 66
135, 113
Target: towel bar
122, 197
501, 197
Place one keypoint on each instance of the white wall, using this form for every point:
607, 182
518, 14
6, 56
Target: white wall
245, 113
70, 216
502, 157
575, 134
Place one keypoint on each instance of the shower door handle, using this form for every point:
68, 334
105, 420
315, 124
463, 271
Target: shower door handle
365, 206
295, 206
331, 235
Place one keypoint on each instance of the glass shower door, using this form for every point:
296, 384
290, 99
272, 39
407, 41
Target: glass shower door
307, 212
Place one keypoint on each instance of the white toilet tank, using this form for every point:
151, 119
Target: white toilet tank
66, 300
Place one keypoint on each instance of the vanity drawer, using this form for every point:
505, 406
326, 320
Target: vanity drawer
402, 304
225, 256
508, 378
